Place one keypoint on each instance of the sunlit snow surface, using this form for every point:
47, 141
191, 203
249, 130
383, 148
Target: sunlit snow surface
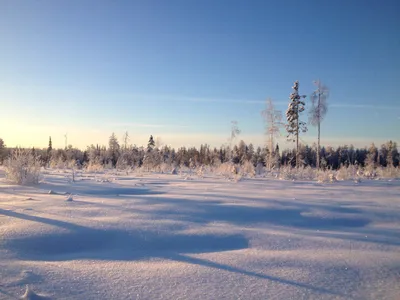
163, 236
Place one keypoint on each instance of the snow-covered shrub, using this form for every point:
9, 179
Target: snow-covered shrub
200, 171
388, 172
94, 166
306, 173
122, 164
260, 169
23, 167
57, 163
247, 169
301, 173
165, 168
287, 173
325, 176
351, 172
227, 170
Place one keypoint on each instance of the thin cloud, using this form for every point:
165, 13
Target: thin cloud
174, 98
144, 125
362, 106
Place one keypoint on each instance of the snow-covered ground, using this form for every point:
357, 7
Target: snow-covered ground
164, 237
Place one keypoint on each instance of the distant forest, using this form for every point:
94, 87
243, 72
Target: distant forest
124, 155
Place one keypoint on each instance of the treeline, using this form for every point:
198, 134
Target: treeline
124, 156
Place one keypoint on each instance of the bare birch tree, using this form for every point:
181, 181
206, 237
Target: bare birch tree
273, 123
318, 111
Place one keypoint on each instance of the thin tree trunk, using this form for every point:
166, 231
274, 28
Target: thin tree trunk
319, 127
297, 138
271, 145
318, 147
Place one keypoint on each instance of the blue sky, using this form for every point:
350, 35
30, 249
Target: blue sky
183, 70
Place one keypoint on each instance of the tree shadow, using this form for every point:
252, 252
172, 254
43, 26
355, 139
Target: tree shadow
210, 264
99, 189
80, 242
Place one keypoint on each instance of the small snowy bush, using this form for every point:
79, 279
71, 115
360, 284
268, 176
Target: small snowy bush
288, 173
260, 169
247, 169
227, 170
23, 167
301, 173
94, 166
325, 176
388, 172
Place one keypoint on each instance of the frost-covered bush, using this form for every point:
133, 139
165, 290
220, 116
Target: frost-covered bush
259, 169
247, 169
287, 173
388, 172
351, 172
227, 170
307, 173
200, 171
57, 163
165, 168
325, 176
122, 164
23, 167
94, 166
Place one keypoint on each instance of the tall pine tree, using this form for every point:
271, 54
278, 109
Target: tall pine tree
294, 125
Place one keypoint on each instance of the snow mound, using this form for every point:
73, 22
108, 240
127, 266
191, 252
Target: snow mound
31, 295
51, 192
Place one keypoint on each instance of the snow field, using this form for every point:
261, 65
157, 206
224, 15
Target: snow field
163, 237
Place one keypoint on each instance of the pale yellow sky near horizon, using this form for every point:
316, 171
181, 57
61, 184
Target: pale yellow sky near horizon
38, 137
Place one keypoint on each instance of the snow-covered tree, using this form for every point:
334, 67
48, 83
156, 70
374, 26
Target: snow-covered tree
294, 125
273, 123
151, 144
319, 108
113, 149
2, 150
125, 138
50, 147
235, 131
23, 167
372, 157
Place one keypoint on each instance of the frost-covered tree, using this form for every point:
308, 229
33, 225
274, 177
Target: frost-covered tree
113, 149
294, 125
372, 157
273, 122
151, 144
126, 140
235, 131
319, 108
392, 154
50, 147
2, 150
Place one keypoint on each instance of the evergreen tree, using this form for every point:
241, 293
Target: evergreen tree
372, 157
151, 144
113, 149
294, 126
2, 150
50, 147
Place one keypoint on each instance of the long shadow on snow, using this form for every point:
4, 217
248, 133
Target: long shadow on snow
112, 244
82, 242
100, 189
350, 226
205, 212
